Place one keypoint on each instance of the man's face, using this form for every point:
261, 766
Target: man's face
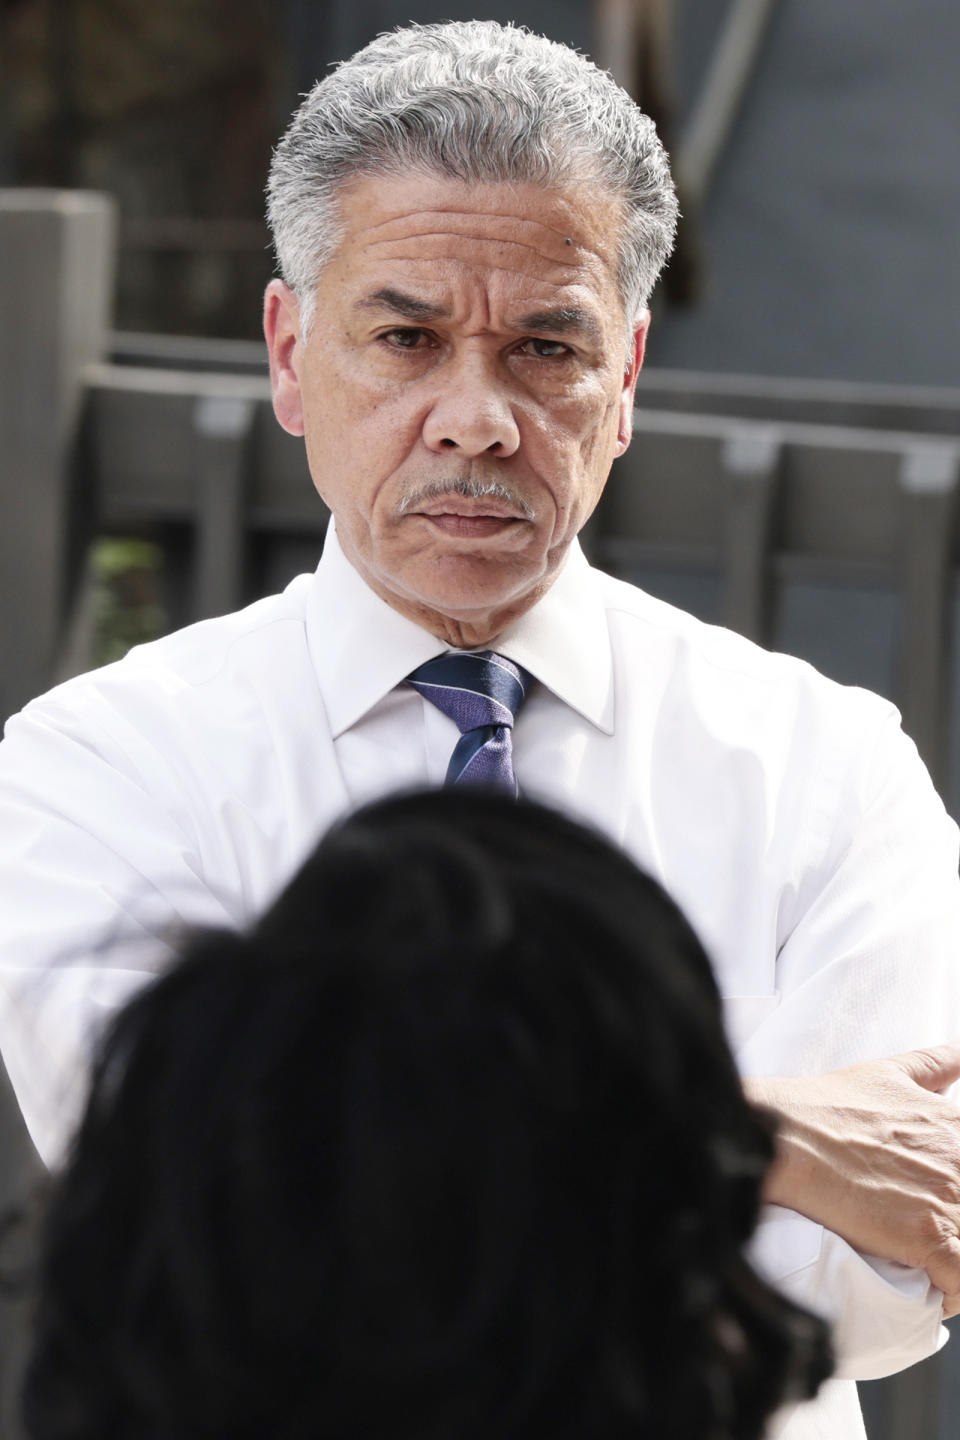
463, 390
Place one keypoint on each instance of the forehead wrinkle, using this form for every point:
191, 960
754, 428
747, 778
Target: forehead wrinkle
563, 280
480, 235
500, 240
469, 216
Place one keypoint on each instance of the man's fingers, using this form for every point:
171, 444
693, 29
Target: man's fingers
935, 1068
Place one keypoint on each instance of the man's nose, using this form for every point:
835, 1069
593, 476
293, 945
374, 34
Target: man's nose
472, 411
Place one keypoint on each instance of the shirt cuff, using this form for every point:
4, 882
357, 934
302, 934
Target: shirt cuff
884, 1317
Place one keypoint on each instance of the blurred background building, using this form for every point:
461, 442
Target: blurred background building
826, 231
796, 465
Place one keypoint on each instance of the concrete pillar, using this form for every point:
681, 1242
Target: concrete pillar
57, 256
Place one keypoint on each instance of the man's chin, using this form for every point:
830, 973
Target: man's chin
461, 585
465, 584
468, 614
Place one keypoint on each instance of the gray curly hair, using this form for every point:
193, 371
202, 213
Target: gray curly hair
479, 102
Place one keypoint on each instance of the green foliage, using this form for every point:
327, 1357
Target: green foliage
128, 606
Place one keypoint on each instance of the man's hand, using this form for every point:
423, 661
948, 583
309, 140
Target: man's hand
872, 1152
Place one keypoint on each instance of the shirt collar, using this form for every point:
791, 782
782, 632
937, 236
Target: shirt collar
362, 648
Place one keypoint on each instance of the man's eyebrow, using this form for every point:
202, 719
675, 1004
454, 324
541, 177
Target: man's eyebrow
562, 320
407, 306
555, 320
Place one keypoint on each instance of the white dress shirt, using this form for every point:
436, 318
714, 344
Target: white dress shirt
789, 816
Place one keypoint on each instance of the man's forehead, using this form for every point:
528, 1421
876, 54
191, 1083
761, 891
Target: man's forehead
521, 225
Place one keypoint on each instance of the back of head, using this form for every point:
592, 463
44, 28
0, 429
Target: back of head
450, 1143
479, 102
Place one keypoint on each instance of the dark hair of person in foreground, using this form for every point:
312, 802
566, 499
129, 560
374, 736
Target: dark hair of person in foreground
449, 1145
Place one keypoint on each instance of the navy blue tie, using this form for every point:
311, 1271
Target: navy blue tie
481, 693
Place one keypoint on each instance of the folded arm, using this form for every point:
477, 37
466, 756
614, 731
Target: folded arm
872, 1153
863, 1220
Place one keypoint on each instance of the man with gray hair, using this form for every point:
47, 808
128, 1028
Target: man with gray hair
469, 221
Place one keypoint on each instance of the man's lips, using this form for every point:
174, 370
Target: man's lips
464, 517
475, 526
484, 507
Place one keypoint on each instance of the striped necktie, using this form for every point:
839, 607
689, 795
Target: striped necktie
481, 693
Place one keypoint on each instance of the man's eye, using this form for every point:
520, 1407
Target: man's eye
405, 338
547, 349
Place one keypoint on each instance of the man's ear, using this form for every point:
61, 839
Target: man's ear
633, 367
281, 329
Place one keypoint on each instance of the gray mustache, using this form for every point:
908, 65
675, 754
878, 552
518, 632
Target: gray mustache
468, 489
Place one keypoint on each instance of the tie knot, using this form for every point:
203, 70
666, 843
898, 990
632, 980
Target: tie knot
481, 693
472, 689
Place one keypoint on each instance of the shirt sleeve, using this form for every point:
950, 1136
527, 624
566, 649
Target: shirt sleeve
870, 967
98, 872
884, 1317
